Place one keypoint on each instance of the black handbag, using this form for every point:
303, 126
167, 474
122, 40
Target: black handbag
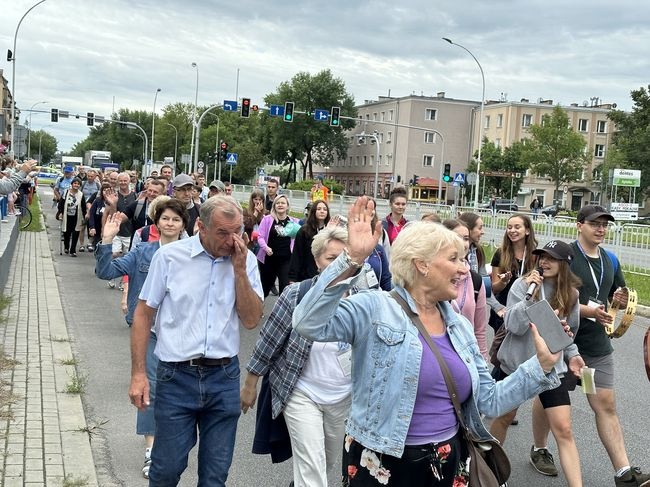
489, 465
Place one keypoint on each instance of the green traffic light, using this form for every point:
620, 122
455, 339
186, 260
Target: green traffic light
335, 122
288, 117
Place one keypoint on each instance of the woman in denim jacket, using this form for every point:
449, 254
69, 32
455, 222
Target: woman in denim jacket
402, 429
171, 218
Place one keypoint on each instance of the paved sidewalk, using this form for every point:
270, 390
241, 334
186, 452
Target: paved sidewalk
43, 436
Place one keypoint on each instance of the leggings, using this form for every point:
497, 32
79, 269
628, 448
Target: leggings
272, 268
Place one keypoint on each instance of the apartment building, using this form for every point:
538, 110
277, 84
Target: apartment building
506, 122
5, 113
417, 135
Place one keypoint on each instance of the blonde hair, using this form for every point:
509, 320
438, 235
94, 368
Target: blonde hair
419, 241
273, 213
151, 211
325, 236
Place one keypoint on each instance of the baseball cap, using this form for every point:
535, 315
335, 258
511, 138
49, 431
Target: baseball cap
182, 180
218, 185
557, 249
68, 169
590, 213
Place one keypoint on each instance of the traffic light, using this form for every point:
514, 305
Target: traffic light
245, 107
336, 114
90, 119
415, 179
224, 150
288, 111
54, 117
446, 176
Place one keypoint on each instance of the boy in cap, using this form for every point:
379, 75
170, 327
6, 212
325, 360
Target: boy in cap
602, 279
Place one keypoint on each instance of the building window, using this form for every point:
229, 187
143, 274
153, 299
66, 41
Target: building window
372, 160
500, 120
497, 143
356, 161
429, 137
487, 122
431, 114
583, 125
596, 174
367, 116
427, 161
526, 120
599, 150
388, 158
390, 115
601, 127
374, 116
350, 161
380, 136
383, 116
365, 160
380, 159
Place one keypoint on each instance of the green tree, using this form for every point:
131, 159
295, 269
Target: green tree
554, 149
493, 158
306, 140
631, 141
43, 144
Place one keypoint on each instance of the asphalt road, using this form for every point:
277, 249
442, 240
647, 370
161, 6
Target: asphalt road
101, 344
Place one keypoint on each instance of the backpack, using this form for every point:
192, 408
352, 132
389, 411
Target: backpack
614, 259
303, 287
477, 280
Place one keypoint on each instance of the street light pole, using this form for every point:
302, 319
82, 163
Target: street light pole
196, 99
480, 122
375, 138
153, 122
29, 134
175, 142
13, 78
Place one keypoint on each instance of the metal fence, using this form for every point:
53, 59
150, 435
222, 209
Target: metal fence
629, 241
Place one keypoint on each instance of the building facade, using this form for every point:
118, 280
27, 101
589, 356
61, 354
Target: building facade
5, 113
417, 135
506, 122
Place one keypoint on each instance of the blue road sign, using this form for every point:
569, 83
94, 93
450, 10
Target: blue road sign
321, 115
230, 105
459, 178
276, 111
231, 158
262, 173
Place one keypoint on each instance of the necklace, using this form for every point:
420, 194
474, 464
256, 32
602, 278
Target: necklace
425, 306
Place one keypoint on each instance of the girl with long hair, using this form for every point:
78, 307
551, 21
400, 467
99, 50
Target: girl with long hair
513, 259
303, 265
557, 285
475, 256
253, 217
276, 238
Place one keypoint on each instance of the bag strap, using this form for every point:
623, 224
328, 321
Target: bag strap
449, 380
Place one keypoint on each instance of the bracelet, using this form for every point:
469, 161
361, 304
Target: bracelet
349, 262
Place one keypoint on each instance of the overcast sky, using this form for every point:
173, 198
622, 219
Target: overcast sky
80, 55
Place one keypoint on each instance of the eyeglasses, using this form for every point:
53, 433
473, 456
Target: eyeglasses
597, 225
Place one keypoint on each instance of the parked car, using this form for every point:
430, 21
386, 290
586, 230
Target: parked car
550, 210
48, 175
502, 205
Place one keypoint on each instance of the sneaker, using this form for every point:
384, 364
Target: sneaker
90, 248
542, 461
147, 463
274, 290
82, 249
634, 478
4, 220
111, 284
73, 254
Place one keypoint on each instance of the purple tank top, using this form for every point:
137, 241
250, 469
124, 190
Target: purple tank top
434, 419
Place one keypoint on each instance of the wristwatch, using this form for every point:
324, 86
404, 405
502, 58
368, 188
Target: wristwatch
349, 262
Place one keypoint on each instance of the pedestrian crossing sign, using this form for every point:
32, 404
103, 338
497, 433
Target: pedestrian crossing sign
459, 178
231, 158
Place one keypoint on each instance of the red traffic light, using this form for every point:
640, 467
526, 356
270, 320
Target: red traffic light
246, 101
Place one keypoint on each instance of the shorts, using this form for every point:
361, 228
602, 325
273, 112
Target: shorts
604, 365
560, 395
121, 245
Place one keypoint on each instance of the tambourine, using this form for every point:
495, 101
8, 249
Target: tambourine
617, 331
646, 352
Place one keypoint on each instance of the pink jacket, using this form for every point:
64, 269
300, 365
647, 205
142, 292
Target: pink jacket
475, 310
263, 235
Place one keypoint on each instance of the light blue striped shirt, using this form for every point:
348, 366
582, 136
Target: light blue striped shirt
195, 298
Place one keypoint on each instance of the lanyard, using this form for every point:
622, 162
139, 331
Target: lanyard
523, 264
593, 274
542, 292
462, 302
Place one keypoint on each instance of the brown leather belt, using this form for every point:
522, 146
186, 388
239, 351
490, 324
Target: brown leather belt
205, 362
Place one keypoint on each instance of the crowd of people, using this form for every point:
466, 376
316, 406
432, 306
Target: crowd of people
375, 315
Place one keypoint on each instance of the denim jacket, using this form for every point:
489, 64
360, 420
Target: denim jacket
386, 356
135, 264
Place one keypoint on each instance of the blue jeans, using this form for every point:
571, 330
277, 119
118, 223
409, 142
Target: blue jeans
145, 424
190, 400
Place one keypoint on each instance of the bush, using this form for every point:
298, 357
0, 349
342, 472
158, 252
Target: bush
307, 184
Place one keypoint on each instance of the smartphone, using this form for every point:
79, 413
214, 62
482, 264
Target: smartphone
549, 326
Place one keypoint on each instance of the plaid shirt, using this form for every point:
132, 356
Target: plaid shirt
280, 350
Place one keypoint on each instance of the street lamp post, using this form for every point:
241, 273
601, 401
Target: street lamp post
196, 99
29, 134
13, 78
144, 155
175, 142
153, 122
480, 123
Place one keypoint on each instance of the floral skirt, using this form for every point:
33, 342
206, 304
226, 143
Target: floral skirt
435, 464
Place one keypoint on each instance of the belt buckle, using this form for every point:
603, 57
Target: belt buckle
195, 362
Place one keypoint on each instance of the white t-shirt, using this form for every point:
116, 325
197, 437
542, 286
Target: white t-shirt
323, 379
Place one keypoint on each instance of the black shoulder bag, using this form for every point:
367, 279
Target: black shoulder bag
489, 465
